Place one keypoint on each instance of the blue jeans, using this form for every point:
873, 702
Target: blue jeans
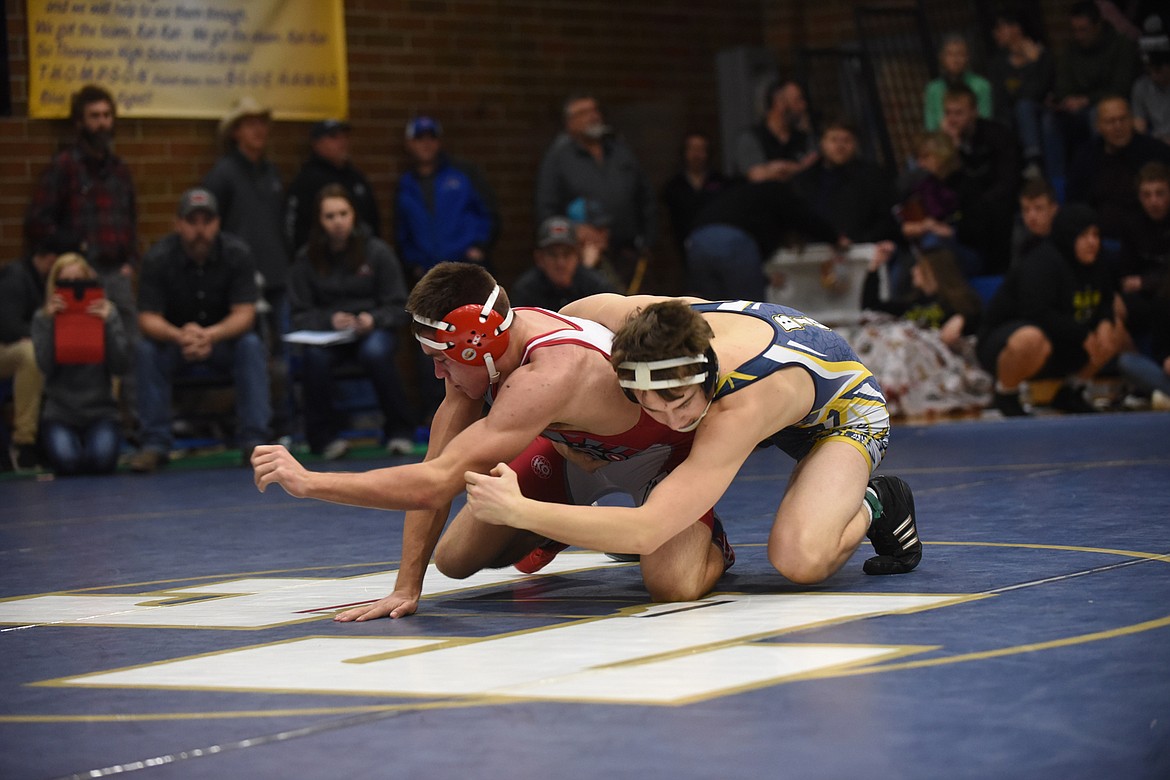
725, 264
376, 355
91, 449
1144, 371
245, 359
1055, 150
1029, 116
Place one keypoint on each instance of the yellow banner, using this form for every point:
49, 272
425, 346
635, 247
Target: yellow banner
190, 58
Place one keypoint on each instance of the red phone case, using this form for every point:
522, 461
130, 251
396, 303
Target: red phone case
79, 337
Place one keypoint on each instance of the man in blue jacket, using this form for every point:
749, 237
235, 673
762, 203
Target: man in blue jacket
443, 209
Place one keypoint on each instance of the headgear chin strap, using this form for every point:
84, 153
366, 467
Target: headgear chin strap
477, 334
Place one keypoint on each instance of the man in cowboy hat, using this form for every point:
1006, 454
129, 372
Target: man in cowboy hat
250, 193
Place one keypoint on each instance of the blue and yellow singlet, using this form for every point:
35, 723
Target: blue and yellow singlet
849, 403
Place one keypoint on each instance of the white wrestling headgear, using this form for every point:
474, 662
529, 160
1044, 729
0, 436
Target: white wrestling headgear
644, 373
478, 334
706, 372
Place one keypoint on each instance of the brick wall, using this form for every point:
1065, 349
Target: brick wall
494, 72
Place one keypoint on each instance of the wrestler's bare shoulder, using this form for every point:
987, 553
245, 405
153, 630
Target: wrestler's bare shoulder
766, 405
612, 310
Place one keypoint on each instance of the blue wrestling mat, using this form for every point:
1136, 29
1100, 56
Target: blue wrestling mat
177, 626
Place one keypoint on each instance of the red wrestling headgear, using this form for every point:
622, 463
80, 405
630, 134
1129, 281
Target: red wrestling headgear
477, 335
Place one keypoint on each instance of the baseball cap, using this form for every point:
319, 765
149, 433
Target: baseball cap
421, 125
554, 231
197, 199
328, 127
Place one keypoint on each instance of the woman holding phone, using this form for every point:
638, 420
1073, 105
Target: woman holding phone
80, 423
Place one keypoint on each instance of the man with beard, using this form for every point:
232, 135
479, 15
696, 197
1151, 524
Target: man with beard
87, 189
781, 144
588, 161
198, 298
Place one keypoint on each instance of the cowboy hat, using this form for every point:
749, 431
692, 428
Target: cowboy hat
244, 107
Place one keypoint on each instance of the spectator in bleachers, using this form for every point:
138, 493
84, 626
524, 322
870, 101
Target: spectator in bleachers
1038, 207
89, 191
1096, 62
250, 193
954, 62
692, 187
588, 160
591, 225
941, 299
988, 179
80, 423
558, 277
329, 163
1021, 74
1151, 370
929, 212
348, 280
1053, 317
1151, 97
444, 210
197, 308
922, 355
22, 293
854, 195
741, 229
782, 144
1144, 265
1104, 171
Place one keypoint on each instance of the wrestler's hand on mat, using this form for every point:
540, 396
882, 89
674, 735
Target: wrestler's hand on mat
493, 498
396, 605
273, 464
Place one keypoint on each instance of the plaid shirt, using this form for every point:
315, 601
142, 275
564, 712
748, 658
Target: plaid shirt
95, 198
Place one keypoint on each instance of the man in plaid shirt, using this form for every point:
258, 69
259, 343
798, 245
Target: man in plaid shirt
87, 189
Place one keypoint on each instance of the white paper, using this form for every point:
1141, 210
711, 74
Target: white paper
320, 338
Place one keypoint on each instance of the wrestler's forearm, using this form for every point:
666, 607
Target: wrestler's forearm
617, 529
413, 486
420, 534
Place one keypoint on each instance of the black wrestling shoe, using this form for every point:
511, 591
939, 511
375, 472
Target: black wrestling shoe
1072, 400
1009, 404
893, 532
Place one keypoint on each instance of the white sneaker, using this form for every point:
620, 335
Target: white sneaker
335, 449
400, 445
1160, 401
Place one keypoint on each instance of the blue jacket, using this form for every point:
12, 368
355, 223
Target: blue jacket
430, 233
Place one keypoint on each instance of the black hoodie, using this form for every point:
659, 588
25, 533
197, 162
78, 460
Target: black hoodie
22, 292
1053, 290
